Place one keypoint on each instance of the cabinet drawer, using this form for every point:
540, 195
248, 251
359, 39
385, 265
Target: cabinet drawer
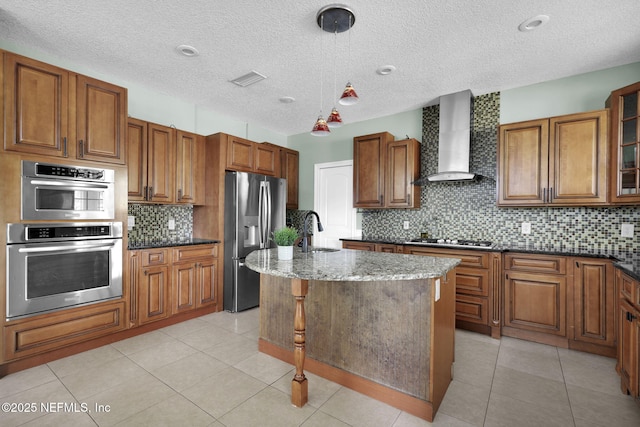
535, 263
630, 289
155, 257
472, 309
468, 258
187, 253
360, 246
473, 281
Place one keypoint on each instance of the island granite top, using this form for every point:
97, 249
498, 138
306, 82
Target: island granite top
349, 265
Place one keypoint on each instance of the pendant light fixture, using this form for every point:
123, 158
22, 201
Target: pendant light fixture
335, 18
321, 128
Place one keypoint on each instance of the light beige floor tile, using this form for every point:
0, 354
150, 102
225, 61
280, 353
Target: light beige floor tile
181, 329
407, 420
234, 349
359, 410
465, 402
128, 399
66, 419
530, 388
85, 360
320, 419
320, 390
504, 411
590, 371
207, 337
28, 404
189, 370
443, 420
142, 342
532, 358
160, 355
24, 380
263, 367
593, 408
238, 323
87, 382
222, 392
175, 411
268, 408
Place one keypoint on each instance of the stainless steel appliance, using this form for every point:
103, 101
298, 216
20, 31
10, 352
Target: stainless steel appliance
53, 266
55, 192
453, 243
254, 206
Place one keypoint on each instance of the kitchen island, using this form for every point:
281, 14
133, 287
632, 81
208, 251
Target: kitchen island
379, 323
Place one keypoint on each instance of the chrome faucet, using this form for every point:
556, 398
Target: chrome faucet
305, 229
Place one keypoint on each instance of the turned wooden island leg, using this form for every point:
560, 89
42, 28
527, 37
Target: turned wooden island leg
299, 385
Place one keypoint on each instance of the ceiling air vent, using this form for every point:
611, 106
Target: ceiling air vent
249, 79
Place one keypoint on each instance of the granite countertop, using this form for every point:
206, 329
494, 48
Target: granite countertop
626, 261
349, 265
150, 244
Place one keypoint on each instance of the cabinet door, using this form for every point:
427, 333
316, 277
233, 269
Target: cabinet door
153, 294
161, 163
289, 160
383, 247
137, 159
594, 310
267, 159
523, 156
240, 154
625, 144
578, 158
206, 282
36, 107
101, 120
184, 285
628, 336
536, 302
369, 161
403, 166
189, 168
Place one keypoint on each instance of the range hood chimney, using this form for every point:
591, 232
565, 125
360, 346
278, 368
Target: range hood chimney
455, 138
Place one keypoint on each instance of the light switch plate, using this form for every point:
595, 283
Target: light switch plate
626, 230
172, 224
405, 225
526, 228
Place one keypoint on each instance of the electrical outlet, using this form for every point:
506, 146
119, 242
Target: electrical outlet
172, 224
131, 222
405, 225
437, 295
626, 230
526, 228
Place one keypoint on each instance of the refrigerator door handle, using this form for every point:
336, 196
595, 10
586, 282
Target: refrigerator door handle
262, 215
268, 214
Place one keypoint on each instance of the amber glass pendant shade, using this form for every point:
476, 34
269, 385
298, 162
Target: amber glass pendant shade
334, 120
321, 128
349, 96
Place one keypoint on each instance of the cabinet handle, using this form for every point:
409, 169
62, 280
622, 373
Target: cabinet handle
551, 195
577, 264
150, 193
179, 194
81, 149
382, 199
544, 195
506, 276
64, 147
630, 316
146, 273
146, 193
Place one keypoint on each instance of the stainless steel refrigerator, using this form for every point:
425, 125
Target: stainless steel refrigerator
254, 206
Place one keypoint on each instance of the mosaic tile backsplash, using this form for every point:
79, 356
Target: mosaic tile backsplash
152, 222
468, 209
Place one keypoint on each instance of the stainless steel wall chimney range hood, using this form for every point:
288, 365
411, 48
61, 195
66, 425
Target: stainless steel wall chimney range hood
454, 139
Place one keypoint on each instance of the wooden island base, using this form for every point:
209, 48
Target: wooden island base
389, 340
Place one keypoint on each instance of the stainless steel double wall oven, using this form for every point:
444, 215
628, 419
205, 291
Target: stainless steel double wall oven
55, 265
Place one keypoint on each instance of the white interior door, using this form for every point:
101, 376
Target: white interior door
333, 200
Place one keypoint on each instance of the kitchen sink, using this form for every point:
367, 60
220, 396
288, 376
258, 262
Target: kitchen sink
317, 250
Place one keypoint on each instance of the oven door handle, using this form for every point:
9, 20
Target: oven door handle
70, 184
49, 248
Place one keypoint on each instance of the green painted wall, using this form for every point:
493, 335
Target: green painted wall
339, 145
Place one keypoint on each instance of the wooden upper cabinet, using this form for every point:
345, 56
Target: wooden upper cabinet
137, 159
36, 107
289, 169
189, 168
248, 156
101, 120
51, 111
403, 167
557, 161
625, 145
267, 159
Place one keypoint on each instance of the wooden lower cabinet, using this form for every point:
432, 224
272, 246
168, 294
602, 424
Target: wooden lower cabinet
153, 293
32, 336
194, 274
373, 247
628, 355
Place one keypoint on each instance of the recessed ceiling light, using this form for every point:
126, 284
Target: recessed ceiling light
187, 50
386, 69
533, 23
287, 99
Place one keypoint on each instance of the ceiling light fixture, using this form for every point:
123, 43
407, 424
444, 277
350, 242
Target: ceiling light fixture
321, 128
187, 50
533, 23
334, 120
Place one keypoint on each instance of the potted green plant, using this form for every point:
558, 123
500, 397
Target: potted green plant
285, 237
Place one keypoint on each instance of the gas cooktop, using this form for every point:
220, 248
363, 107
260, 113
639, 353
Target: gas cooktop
455, 243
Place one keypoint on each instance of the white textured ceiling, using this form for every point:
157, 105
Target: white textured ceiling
437, 46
